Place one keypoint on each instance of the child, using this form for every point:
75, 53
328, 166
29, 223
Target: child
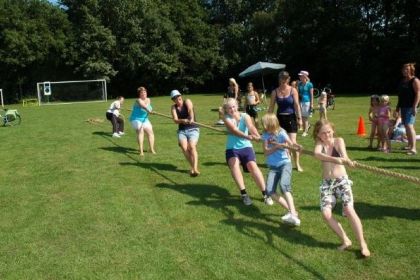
280, 167
336, 184
114, 116
322, 102
252, 100
397, 131
374, 103
383, 113
239, 149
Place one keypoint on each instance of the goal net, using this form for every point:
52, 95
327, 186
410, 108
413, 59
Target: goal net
66, 92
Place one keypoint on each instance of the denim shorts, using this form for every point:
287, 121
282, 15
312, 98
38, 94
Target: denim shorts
306, 109
407, 116
333, 189
191, 134
279, 175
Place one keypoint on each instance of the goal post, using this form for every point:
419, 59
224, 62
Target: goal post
67, 92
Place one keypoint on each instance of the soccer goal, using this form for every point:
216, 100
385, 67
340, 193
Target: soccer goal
67, 92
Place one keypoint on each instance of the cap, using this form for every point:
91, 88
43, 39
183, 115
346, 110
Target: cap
303, 73
175, 93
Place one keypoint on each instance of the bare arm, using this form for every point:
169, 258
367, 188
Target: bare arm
272, 101
143, 104
337, 160
251, 127
257, 98
416, 87
296, 105
176, 119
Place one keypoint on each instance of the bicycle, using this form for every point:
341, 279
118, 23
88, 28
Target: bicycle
330, 96
10, 117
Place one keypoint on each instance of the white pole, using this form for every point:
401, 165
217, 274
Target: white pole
1, 93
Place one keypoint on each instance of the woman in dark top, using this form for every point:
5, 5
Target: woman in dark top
188, 130
288, 109
408, 100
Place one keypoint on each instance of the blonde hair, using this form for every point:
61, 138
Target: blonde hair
228, 103
384, 98
411, 68
319, 124
271, 123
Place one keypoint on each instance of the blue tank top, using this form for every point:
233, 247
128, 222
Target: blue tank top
285, 105
236, 142
139, 114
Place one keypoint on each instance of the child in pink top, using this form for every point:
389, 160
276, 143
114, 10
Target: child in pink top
374, 103
383, 114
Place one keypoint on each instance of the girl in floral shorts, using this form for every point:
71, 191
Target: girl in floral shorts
331, 151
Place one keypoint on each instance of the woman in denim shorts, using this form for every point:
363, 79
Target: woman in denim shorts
408, 100
331, 151
188, 131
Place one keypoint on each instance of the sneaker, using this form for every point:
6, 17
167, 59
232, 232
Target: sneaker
286, 217
220, 122
304, 134
268, 200
121, 133
293, 220
246, 199
116, 135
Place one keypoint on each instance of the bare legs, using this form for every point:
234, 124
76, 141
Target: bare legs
256, 174
356, 225
189, 149
295, 154
411, 137
150, 138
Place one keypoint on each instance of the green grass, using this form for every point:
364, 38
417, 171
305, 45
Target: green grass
76, 203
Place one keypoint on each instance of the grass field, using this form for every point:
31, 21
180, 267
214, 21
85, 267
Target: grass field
78, 204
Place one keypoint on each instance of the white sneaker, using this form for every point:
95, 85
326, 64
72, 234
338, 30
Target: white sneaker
304, 134
220, 122
268, 200
246, 199
116, 135
286, 217
121, 133
293, 220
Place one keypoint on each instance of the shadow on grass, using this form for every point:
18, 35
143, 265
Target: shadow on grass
153, 166
120, 149
261, 226
370, 211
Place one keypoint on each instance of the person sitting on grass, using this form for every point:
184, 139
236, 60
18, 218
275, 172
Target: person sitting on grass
188, 131
113, 115
331, 151
276, 142
239, 150
140, 120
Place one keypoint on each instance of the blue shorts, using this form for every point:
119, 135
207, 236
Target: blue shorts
191, 134
244, 155
407, 116
279, 175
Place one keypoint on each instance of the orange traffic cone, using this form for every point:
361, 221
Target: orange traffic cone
361, 131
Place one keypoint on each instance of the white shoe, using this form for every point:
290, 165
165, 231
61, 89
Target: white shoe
121, 133
287, 216
220, 122
293, 220
268, 200
304, 134
246, 199
116, 135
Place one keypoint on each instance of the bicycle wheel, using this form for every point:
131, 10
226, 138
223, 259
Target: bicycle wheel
316, 93
11, 120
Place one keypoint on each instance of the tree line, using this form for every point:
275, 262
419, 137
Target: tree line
355, 45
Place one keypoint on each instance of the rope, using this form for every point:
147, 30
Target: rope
373, 169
